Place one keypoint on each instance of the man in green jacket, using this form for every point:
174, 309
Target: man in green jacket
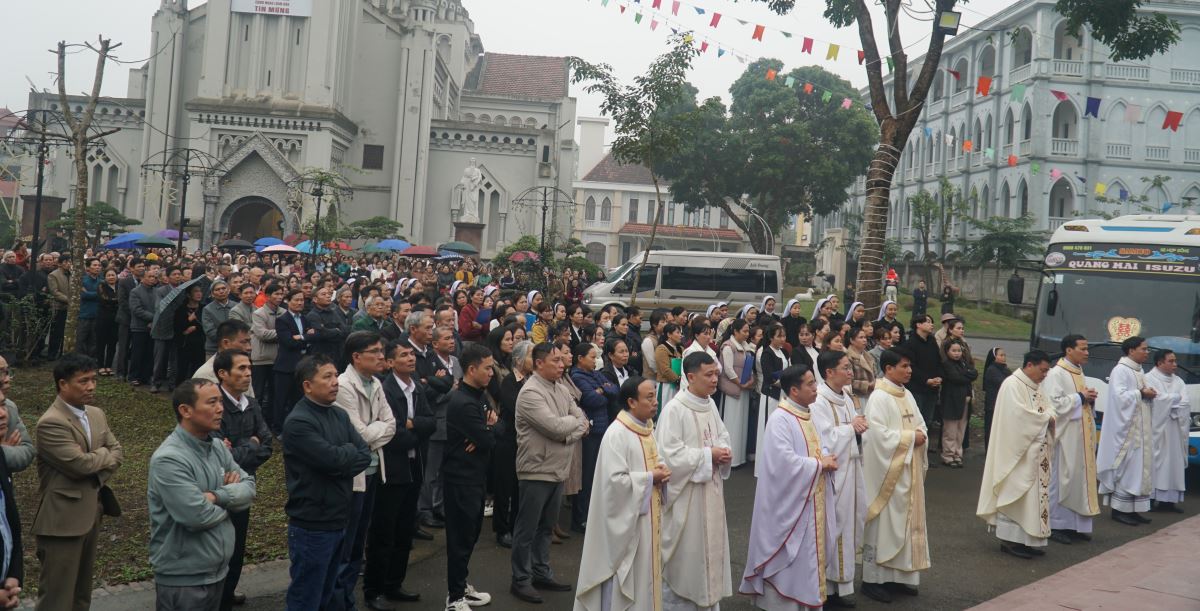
194, 484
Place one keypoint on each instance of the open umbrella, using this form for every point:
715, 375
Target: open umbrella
393, 244
267, 241
372, 249
155, 242
164, 314
125, 240
235, 245
460, 247
448, 254
523, 255
172, 234
337, 246
281, 248
420, 251
293, 239
306, 247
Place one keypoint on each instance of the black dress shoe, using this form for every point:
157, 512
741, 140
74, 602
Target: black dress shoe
552, 586
402, 595
504, 540
901, 588
1036, 551
526, 593
379, 603
422, 535
1078, 536
1124, 518
877, 592
433, 522
844, 602
1141, 519
1172, 507
239, 598
1060, 536
1013, 549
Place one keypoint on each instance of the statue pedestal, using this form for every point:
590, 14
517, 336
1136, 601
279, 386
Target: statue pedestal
471, 233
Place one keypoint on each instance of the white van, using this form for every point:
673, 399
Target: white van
690, 279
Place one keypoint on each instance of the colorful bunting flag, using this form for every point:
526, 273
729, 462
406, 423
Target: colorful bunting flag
955, 73
808, 88
891, 63
657, 4
1018, 93
791, 81
985, 85
622, 9
846, 103
1012, 161
786, 34
771, 74
968, 146
833, 52
1133, 113
1101, 188
704, 47
1082, 179
1166, 206
1172, 120
603, 2
742, 21
1061, 96
1123, 194
720, 52
716, 19
862, 56
1093, 108
990, 153
688, 38
637, 18
828, 95
806, 46
1034, 168
1055, 174
929, 132
699, 11
949, 140
758, 32
675, 8
653, 24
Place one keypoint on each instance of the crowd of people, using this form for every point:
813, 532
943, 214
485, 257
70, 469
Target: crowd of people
409, 396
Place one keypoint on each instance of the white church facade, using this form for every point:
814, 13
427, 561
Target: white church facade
399, 97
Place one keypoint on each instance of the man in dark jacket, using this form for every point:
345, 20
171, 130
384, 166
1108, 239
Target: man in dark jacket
329, 326
143, 302
447, 371
137, 268
393, 521
926, 365
249, 440
470, 437
322, 453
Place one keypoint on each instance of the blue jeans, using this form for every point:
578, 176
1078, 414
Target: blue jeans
315, 555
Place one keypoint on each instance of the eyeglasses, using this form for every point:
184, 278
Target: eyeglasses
371, 351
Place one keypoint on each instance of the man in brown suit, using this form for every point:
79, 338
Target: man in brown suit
76, 455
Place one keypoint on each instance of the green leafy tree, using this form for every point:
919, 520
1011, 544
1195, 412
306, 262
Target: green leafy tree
776, 153
1005, 241
1132, 35
642, 137
933, 216
374, 228
100, 220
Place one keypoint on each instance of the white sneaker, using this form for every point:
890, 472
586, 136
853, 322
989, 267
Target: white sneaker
488, 509
475, 598
458, 605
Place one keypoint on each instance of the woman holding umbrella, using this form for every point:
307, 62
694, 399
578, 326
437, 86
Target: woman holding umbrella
189, 336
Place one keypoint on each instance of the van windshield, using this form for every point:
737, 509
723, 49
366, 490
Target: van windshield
617, 273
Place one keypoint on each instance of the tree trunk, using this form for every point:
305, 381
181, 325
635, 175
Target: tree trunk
874, 224
658, 214
757, 240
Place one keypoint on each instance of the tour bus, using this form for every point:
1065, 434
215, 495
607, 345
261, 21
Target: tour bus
690, 279
1109, 280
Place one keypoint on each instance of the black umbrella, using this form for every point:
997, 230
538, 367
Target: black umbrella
235, 245
164, 315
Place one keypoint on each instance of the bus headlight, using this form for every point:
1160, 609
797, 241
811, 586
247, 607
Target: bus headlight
1196, 422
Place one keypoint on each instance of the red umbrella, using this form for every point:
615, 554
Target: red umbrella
294, 239
522, 256
420, 251
337, 246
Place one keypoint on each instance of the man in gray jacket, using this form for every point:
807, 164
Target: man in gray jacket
17, 445
137, 269
244, 310
215, 313
143, 301
193, 485
548, 423
264, 345
165, 356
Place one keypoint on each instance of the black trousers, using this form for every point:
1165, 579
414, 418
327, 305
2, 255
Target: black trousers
58, 326
464, 518
504, 486
141, 360
263, 382
391, 537
287, 393
579, 504
241, 523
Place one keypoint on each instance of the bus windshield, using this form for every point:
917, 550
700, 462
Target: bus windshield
1107, 307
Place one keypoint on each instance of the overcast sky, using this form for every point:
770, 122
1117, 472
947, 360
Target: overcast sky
533, 27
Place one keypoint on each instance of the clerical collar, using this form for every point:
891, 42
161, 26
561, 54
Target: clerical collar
1065, 363
787, 403
834, 397
1130, 363
693, 401
890, 387
1024, 379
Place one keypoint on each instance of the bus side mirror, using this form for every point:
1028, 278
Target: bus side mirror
1016, 289
1052, 302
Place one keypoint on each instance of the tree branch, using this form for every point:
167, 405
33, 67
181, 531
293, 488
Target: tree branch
62, 85
866, 35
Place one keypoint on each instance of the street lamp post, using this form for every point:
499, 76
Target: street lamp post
318, 193
43, 149
186, 163
551, 199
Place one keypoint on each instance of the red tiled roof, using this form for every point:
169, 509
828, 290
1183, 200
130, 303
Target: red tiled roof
672, 231
526, 76
610, 170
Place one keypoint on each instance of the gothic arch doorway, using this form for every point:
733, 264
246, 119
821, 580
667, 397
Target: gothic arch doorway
253, 218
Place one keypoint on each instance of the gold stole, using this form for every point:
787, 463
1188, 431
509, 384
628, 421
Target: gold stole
650, 459
1089, 437
916, 507
804, 419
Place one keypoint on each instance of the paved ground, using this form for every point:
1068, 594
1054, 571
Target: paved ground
968, 567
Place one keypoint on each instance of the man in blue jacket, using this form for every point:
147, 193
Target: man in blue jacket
321, 455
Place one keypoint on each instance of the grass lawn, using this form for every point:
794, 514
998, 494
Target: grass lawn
140, 422
979, 323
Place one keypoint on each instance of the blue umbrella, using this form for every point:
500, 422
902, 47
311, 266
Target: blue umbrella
262, 243
306, 247
172, 234
125, 240
393, 244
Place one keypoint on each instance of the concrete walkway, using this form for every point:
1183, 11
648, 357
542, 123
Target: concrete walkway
1155, 572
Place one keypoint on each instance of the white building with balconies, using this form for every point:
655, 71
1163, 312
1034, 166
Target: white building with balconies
1039, 152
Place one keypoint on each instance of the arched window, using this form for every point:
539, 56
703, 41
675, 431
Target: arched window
963, 69
1066, 46
987, 132
595, 253
1023, 197
1002, 208
1008, 127
1026, 124
1066, 121
589, 209
987, 62
1023, 48
1062, 199
606, 210
980, 209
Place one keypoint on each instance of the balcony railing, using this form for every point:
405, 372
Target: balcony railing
1021, 73
1068, 147
1067, 67
1191, 155
1056, 222
1158, 153
1126, 72
1005, 152
976, 158
1185, 77
1025, 147
959, 98
1117, 150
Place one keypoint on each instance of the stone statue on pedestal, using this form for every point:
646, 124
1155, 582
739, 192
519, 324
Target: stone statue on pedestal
468, 204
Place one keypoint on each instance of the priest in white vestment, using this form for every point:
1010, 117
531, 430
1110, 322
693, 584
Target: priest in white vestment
838, 424
1073, 497
1125, 458
621, 568
794, 518
1014, 496
895, 540
1171, 413
695, 446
